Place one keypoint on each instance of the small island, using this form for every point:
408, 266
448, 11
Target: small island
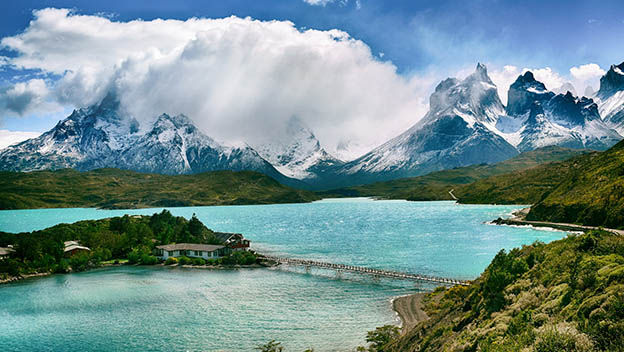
135, 240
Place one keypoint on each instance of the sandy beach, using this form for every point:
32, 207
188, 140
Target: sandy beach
410, 310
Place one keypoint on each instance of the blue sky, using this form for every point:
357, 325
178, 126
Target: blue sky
413, 34
424, 40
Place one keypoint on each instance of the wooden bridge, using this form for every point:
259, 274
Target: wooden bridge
364, 270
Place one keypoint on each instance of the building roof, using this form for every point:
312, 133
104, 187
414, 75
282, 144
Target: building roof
74, 247
69, 243
225, 236
190, 247
6, 251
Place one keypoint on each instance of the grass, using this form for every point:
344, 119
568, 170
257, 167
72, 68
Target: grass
436, 185
114, 188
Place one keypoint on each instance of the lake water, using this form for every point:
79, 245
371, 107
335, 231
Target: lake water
156, 308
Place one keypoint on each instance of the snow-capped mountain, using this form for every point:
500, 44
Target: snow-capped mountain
297, 153
458, 130
611, 97
468, 124
536, 117
100, 136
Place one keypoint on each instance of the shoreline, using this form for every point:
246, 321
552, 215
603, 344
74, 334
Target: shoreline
409, 309
204, 267
518, 219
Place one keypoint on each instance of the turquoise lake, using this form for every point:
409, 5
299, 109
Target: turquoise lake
176, 309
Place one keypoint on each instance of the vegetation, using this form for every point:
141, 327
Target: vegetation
113, 188
436, 185
521, 187
564, 296
592, 195
131, 237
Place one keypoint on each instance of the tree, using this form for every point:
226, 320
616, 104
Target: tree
271, 346
381, 337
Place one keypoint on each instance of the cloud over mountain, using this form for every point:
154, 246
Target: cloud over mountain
239, 79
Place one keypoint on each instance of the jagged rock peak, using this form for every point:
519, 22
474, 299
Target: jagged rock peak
612, 81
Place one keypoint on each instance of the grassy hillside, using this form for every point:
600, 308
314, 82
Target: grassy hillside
113, 188
436, 185
586, 190
564, 296
523, 186
592, 195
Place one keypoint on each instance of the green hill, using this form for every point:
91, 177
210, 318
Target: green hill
523, 186
436, 185
564, 296
114, 188
593, 194
587, 189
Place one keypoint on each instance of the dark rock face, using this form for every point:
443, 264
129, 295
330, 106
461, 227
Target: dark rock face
612, 81
524, 92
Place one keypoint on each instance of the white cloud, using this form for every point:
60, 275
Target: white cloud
587, 75
8, 138
26, 98
318, 2
503, 78
238, 79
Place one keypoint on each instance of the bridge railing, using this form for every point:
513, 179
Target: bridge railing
362, 269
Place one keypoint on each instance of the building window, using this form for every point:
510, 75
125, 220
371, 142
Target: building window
170, 253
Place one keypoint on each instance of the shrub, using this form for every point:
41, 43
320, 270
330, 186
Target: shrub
184, 260
171, 261
199, 261
79, 261
147, 259
134, 257
382, 336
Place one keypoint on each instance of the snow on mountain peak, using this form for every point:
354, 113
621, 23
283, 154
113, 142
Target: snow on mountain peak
297, 152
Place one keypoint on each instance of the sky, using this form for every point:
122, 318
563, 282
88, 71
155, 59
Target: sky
357, 72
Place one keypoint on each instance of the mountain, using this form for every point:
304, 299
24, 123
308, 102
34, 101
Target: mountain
458, 130
436, 185
536, 117
297, 153
114, 188
100, 136
611, 95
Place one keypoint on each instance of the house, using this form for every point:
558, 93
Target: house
73, 247
191, 250
236, 241
5, 252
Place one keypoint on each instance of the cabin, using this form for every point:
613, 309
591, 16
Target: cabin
73, 247
236, 241
191, 250
5, 252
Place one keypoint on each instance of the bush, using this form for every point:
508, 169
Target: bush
62, 267
147, 259
171, 261
185, 260
79, 261
239, 258
134, 257
199, 261
382, 336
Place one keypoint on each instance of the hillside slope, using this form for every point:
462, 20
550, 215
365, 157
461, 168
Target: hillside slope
563, 296
592, 195
113, 188
527, 186
436, 185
